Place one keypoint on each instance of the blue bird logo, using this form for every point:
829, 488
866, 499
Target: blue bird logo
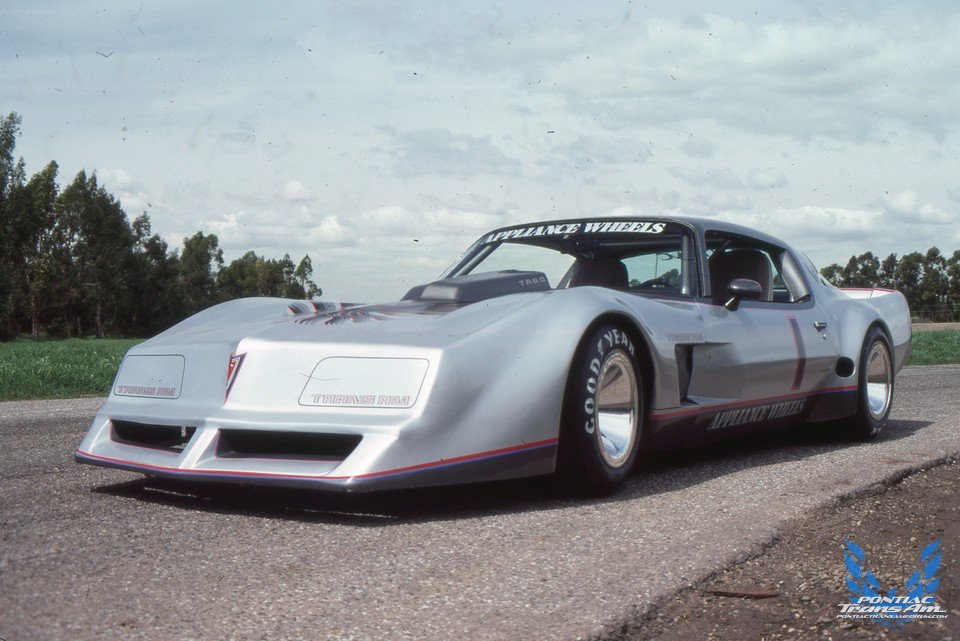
862, 582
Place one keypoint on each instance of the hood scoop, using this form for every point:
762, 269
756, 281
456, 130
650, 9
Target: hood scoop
476, 287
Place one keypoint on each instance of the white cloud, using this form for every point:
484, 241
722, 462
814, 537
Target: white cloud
717, 203
804, 78
399, 221
114, 179
134, 203
228, 223
697, 147
826, 234
331, 231
442, 152
296, 191
435, 264
769, 178
811, 222
595, 154
701, 176
906, 207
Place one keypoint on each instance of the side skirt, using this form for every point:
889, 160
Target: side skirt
685, 427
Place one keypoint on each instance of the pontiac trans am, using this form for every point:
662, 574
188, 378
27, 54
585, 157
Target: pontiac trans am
561, 347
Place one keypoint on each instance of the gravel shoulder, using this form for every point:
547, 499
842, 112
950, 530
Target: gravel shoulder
804, 569
934, 327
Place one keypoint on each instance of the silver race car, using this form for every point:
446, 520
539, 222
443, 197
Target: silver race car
565, 346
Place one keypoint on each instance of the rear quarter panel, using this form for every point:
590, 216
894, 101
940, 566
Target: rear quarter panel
860, 308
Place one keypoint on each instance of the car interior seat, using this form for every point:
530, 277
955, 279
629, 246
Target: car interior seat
600, 272
753, 264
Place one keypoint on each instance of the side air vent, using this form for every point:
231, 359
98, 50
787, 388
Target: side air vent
684, 360
172, 438
285, 445
844, 367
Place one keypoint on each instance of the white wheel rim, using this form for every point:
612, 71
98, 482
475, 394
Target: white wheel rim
617, 409
879, 380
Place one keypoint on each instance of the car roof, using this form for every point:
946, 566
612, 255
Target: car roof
700, 225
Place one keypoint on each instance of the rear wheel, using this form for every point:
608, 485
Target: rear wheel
875, 379
603, 412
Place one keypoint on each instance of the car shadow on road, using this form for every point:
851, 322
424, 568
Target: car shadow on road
657, 472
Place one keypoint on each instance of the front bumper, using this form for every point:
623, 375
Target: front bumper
206, 455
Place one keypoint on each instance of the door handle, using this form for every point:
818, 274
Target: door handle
820, 325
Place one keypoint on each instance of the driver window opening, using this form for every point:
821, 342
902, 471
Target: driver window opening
730, 257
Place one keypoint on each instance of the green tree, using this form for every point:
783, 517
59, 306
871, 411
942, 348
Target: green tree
861, 271
240, 278
934, 287
253, 275
953, 286
834, 274
907, 275
102, 253
60, 282
13, 205
9, 131
157, 300
200, 261
887, 276
304, 277
38, 270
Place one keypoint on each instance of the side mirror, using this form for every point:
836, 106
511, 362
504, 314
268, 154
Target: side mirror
742, 288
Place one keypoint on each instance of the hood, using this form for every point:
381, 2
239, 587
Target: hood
426, 323
430, 323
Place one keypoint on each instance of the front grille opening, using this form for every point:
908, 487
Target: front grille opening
172, 438
285, 445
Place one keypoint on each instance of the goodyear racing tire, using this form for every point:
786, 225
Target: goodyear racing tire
603, 412
875, 386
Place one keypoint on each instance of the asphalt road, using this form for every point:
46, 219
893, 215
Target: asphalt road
89, 553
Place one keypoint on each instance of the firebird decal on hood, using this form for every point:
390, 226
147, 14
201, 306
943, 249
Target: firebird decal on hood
383, 312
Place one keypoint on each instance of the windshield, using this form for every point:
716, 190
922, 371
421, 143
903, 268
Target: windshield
629, 256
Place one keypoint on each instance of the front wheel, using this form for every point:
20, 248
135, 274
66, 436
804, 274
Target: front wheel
603, 412
875, 379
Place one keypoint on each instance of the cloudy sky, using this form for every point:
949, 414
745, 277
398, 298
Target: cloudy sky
382, 138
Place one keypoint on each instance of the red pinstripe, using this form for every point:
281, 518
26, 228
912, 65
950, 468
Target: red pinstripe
409, 468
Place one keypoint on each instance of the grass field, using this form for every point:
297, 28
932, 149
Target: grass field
935, 348
59, 368
86, 367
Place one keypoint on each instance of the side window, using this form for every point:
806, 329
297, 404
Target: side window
658, 269
731, 257
663, 267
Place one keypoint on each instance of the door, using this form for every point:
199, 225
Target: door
762, 359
